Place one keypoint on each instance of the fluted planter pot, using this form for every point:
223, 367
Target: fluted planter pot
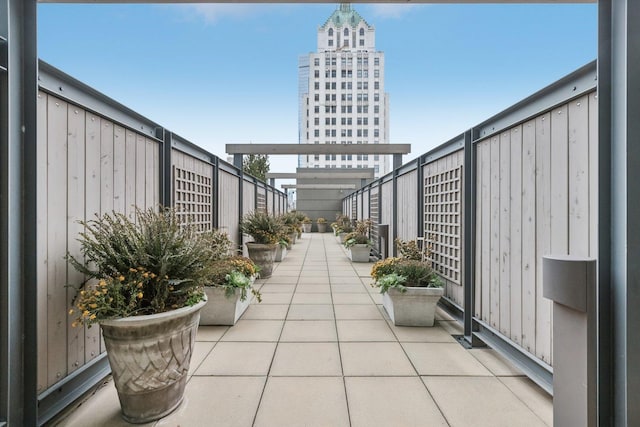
341, 237
359, 253
263, 255
281, 252
415, 307
222, 309
306, 228
149, 357
293, 237
322, 228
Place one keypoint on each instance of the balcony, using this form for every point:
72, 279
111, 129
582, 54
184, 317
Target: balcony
320, 351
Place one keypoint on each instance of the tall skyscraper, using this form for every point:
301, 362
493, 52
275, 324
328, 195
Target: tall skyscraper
341, 93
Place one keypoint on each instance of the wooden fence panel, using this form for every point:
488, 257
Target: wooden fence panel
407, 187
536, 185
85, 171
228, 205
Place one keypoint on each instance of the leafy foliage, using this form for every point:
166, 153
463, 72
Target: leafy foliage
148, 266
415, 274
409, 249
256, 165
264, 228
360, 234
234, 273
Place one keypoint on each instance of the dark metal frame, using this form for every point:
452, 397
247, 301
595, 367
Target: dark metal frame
619, 75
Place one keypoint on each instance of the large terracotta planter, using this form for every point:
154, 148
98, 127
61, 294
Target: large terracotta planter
281, 252
221, 309
263, 255
359, 253
322, 228
149, 358
415, 307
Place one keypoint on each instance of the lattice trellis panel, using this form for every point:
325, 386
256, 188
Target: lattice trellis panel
442, 221
261, 202
374, 215
192, 196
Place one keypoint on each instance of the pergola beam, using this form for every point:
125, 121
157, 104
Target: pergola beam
320, 186
302, 149
366, 173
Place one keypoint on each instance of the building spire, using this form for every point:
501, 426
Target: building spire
345, 7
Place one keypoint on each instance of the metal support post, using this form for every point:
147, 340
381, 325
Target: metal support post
18, 201
397, 161
469, 209
166, 181
237, 160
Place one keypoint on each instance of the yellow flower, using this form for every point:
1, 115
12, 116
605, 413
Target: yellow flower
74, 324
93, 305
104, 291
85, 313
96, 293
82, 293
93, 316
102, 283
71, 311
121, 278
141, 268
139, 284
145, 275
153, 276
133, 270
139, 295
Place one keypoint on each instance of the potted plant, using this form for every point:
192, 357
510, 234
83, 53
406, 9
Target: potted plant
341, 227
306, 224
299, 216
291, 227
321, 223
410, 290
283, 244
145, 290
357, 242
229, 290
265, 230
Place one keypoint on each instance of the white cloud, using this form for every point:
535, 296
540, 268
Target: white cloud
212, 13
392, 11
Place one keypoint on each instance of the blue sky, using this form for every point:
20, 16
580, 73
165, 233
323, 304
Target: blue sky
205, 71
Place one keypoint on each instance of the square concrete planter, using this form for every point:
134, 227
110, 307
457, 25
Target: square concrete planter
281, 253
359, 253
416, 307
223, 310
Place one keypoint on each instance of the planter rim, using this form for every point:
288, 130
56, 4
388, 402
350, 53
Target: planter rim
271, 245
418, 289
131, 320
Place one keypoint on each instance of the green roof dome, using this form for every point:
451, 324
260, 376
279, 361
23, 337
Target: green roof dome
345, 16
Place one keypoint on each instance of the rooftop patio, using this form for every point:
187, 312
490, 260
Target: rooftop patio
320, 351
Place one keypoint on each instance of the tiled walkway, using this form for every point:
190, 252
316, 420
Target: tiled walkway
319, 351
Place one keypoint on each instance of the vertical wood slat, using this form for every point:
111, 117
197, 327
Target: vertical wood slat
43, 142
150, 173
578, 194
593, 174
130, 173
543, 233
141, 166
505, 234
529, 221
119, 169
485, 169
92, 208
515, 233
75, 213
559, 162
494, 246
106, 167
57, 239
477, 285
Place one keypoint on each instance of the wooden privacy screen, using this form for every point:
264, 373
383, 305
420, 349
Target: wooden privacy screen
87, 166
536, 195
